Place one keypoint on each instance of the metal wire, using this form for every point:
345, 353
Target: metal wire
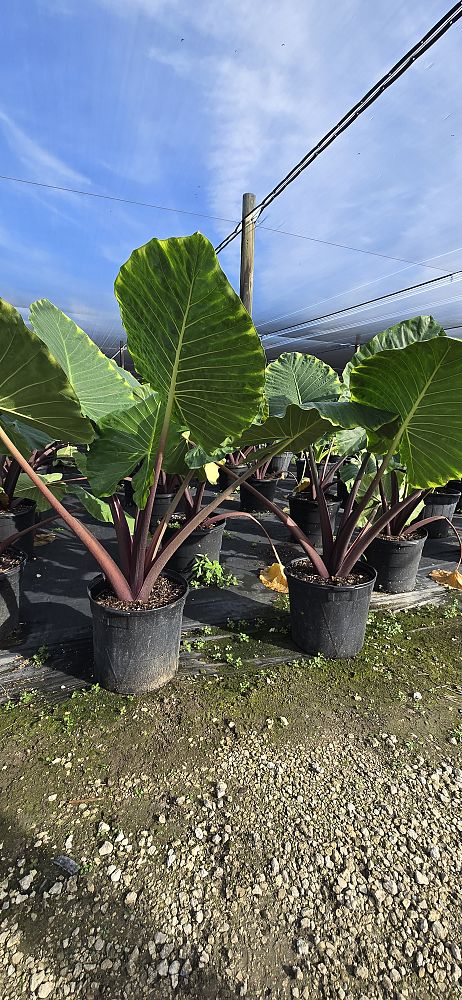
403, 64
444, 280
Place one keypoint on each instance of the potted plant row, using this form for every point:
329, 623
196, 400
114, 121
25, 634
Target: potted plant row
397, 392
177, 307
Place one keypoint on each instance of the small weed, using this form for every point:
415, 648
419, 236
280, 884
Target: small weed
456, 734
208, 573
243, 637
41, 655
281, 602
27, 697
451, 609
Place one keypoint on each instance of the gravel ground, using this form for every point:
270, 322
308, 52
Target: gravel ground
285, 868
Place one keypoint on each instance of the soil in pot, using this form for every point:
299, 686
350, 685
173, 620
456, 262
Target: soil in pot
204, 541
440, 503
21, 517
329, 617
11, 566
396, 560
305, 513
136, 646
249, 502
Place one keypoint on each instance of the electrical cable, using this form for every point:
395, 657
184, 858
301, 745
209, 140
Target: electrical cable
344, 246
355, 288
215, 218
366, 304
383, 319
403, 64
111, 197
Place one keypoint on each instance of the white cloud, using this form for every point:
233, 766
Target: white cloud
36, 158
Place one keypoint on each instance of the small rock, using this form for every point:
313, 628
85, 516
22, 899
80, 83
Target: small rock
106, 848
45, 990
26, 882
131, 898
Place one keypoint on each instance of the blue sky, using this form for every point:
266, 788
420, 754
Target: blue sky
187, 105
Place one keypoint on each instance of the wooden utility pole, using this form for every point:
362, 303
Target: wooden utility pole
247, 251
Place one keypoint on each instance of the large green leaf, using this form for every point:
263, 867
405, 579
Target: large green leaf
300, 379
350, 442
300, 427
125, 439
191, 338
24, 436
33, 386
395, 337
99, 384
97, 508
25, 489
422, 385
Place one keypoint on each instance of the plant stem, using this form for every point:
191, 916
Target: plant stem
109, 567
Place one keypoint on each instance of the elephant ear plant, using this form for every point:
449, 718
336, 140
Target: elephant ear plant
418, 383
196, 349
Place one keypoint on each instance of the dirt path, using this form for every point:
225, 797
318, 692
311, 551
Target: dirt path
287, 832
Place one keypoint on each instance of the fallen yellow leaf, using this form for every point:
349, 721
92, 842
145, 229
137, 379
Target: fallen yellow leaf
303, 485
447, 578
274, 578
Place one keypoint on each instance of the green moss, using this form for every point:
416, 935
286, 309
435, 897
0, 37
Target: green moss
110, 741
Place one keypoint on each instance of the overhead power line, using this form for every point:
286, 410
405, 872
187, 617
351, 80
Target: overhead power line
431, 283
345, 246
214, 218
403, 64
111, 197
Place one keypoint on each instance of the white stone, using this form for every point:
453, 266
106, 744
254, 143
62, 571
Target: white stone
106, 848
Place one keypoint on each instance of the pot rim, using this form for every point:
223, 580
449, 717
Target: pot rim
266, 479
121, 612
17, 554
435, 498
196, 531
330, 498
25, 502
394, 540
333, 587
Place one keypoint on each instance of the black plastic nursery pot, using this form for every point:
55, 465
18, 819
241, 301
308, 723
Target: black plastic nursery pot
396, 561
302, 469
201, 542
136, 651
224, 480
440, 504
249, 502
128, 492
161, 504
328, 618
10, 593
280, 463
305, 513
18, 520
455, 486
